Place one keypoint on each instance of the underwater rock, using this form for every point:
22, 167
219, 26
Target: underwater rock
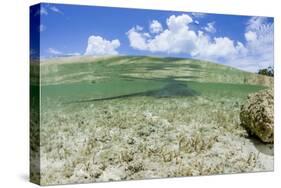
257, 115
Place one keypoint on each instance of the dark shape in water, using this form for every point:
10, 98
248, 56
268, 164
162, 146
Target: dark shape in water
172, 89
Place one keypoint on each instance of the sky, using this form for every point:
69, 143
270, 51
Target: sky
243, 42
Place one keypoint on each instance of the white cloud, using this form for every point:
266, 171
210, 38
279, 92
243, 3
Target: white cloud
198, 14
219, 48
175, 42
179, 38
98, 46
254, 54
259, 36
210, 27
250, 36
155, 27
176, 39
139, 28
42, 28
137, 39
256, 22
42, 11
53, 51
55, 9
45, 10
176, 23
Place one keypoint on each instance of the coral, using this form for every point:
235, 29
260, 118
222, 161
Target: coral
257, 115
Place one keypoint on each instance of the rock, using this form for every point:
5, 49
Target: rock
257, 115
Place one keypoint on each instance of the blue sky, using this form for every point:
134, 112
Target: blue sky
88, 30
